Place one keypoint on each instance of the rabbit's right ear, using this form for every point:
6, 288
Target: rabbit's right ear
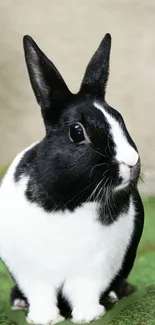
97, 71
49, 87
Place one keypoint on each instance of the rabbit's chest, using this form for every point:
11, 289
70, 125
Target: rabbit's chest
77, 242
64, 244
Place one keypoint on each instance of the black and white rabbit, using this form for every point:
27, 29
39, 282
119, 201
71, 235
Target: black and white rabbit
70, 213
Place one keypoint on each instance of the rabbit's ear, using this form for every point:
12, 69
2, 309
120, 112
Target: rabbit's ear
48, 85
97, 71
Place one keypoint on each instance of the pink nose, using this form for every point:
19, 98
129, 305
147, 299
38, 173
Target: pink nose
129, 158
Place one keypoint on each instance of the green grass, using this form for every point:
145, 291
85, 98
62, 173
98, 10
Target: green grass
137, 309
3, 170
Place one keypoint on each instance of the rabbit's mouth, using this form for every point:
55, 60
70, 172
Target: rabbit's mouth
128, 175
135, 172
122, 186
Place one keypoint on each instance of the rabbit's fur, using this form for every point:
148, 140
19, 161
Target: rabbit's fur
70, 214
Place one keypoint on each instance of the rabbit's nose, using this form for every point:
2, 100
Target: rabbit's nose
129, 157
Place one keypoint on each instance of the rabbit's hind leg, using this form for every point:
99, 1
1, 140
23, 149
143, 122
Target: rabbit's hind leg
17, 299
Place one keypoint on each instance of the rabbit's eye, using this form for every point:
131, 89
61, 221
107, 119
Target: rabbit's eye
76, 133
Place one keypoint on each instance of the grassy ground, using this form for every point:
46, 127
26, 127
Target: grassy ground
138, 309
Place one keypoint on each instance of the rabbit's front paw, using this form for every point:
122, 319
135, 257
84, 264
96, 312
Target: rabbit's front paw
44, 318
86, 314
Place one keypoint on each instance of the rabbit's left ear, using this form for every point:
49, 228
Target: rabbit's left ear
97, 71
49, 87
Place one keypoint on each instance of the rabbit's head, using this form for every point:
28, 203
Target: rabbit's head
87, 149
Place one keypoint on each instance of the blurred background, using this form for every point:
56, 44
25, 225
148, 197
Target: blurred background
69, 32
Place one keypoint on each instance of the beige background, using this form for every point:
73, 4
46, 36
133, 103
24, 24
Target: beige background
68, 31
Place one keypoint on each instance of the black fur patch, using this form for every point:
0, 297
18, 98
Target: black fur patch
63, 175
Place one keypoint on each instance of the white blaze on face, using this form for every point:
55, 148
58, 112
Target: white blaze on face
126, 155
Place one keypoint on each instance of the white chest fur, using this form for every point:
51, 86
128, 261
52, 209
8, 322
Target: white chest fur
57, 247
63, 244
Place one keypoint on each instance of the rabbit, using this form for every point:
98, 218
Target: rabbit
71, 216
